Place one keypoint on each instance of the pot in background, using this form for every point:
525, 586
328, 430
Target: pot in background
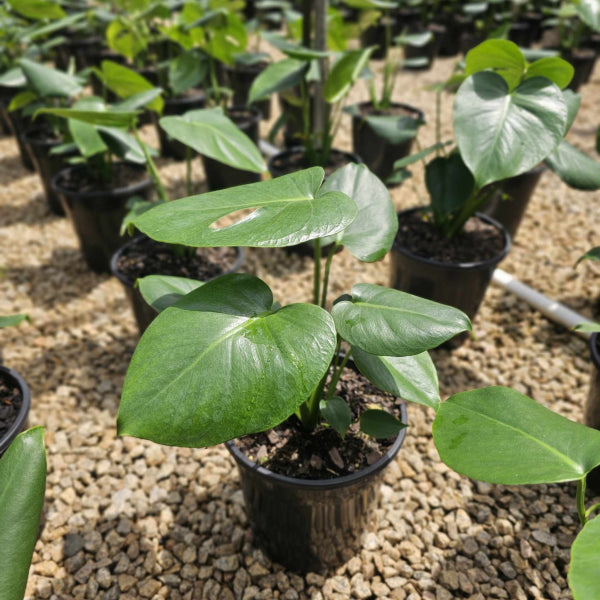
534, 20
591, 416
583, 61
240, 79
520, 33
376, 35
278, 164
17, 123
97, 214
13, 379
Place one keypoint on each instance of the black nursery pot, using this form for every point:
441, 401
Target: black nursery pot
310, 524
97, 214
279, 164
375, 35
461, 285
18, 125
170, 148
583, 61
13, 379
592, 407
378, 154
220, 176
510, 211
240, 79
520, 33
143, 312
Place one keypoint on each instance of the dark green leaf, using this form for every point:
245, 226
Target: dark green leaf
394, 129
89, 142
21, 100
379, 423
344, 74
593, 254
337, 413
556, 69
496, 434
124, 145
295, 51
575, 168
277, 77
573, 102
186, 71
449, 183
162, 291
585, 558
37, 9
502, 56
112, 118
417, 156
48, 82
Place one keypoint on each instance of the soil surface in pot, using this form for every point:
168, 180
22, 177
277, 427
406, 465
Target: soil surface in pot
10, 404
292, 163
148, 257
241, 116
322, 454
82, 180
478, 241
367, 110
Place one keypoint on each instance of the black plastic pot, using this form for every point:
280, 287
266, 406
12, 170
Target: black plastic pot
240, 79
310, 524
276, 163
378, 154
219, 175
460, 285
170, 148
429, 51
591, 415
449, 43
81, 49
20, 423
18, 124
583, 61
520, 33
293, 131
97, 215
509, 205
534, 20
375, 35
143, 312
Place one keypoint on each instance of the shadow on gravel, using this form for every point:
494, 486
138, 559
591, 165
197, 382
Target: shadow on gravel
34, 212
11, 169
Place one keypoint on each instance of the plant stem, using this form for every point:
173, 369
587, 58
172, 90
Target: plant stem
317, 272
152, 170
592, 509
438, 118
188, 170
330, 256
336, 377
581, 501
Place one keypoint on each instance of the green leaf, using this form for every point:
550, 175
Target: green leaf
394, 129
418, 40
589, 13
162, 291
388, 322
496, 434
286, 211
556, 69
89, 141
277, 77
21, 100
587, 327
379, 424
139, 100
124, 145
344, 73
186, 71
37, 9
593, 254
575, 168
449, 183
502, 56
417, 156
211, 133
112, 118
48, 82
125, 83
371, 235
573, 102
501, 134
123, 39
337, 413
250, 368
22, 487
585, 557
13, 78
295, 51
11, 320
412, 378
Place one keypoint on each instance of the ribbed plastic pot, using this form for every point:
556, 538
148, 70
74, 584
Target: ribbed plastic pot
592, 408
378, 154
240, 79
97, 215
143, 312
307, 524
461, 285
20, 423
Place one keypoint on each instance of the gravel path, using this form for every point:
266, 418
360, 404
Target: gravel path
130, 519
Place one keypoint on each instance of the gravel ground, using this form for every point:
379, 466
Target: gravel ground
130, 519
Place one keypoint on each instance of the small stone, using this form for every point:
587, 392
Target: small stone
47, 568
84, 573
371, 541
227, 564
470, 546
360, 588
43, 588
450, 579
103, 578
340, 584
508, 570
72, 545
149, 587
543, 537
126, 582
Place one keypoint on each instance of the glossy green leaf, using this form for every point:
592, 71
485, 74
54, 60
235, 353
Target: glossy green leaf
412, 378
589, 13
388, 322
501, 134
498, 435
593, 254
277, 77
22, 488
574, 167
556, 69
186, 71
13, 78
124, 40
268, 361
417, 156
295, 51
417, 40
379, 424
585, 558
89, 142
211, 133
11, 320
48, 82
587, 327
21, 100
37, 9
138, 101
394, 129
344, 74
501, 56
573, 102
112, 118
124, 145
286, 211
337, 413
162, 291
367, 4
371, 235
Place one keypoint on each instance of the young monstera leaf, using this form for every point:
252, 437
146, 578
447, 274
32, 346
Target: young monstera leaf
585, 556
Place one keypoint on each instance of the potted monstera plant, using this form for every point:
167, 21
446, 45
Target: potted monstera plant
261, 371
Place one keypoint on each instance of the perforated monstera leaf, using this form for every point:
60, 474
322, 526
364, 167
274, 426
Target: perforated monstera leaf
286, 211
222, 362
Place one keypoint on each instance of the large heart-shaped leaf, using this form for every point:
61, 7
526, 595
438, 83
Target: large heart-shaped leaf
224, 362
211, 133
585, 558
372, 233
412, 378
48, 82
22, 487
344, 73
287, 210
502, 56
573, 102
388, 322
277, 77
575, 168
501, 134
498, 435
162, 291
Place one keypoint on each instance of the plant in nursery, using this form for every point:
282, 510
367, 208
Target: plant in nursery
276, 359
574, 18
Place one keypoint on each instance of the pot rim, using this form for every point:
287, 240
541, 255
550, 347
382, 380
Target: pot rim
23, 413
408, 107
256, 112
183, 100
131, 284
594, 350
490, 262
133, 188
323, 484
300, 149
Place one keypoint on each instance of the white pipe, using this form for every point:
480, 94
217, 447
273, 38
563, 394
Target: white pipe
552, 309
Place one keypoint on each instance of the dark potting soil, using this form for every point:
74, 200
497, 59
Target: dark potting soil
322, 454
148, 257
478, 241
82, 180
292, 163
10, 404
240, 116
